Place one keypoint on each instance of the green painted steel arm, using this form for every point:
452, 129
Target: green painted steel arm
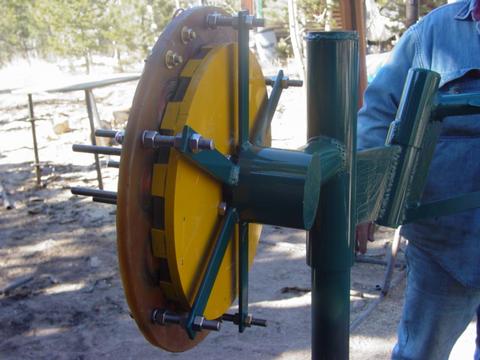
457, 104
444, 207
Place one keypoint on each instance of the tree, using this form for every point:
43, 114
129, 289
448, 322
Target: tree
18, 28
75, 28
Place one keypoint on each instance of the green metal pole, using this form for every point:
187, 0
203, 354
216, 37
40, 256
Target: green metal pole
242, 275
208, 280
457, 104
332, 78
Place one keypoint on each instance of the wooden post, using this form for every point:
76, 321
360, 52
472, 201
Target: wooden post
353, 18
248, 5
294, 38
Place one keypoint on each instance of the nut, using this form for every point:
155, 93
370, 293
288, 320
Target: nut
187, 35
222, 208
148, 139
172, 59
193, 143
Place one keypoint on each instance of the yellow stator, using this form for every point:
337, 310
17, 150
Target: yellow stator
169, 211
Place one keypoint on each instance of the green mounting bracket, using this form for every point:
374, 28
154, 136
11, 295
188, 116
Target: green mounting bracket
206, 285
211, 161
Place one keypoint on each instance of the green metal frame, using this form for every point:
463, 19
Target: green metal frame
332, 63
213, 161
208, 280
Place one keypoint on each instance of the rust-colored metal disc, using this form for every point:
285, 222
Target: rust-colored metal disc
140, 270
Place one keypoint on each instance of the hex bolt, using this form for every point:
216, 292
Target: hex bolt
200, 323
196, 143
113, 134
158, 316
253, 21
222, 208
148, 139
187, 34
206, 144
119, 137
214, 20
164, 317
249, 320
172, 59
154, 140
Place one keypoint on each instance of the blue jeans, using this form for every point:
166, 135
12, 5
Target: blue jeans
436, 312
477, 341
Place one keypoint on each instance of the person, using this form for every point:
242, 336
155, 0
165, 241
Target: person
443, 255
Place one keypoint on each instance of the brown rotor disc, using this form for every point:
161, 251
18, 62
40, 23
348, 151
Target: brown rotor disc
140, 270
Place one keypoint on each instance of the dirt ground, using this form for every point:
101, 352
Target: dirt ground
71, 303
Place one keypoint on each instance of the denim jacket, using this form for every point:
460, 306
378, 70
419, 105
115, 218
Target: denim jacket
447, 41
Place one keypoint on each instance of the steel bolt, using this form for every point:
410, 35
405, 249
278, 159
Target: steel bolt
197, 323
200, 323
148, 139
119, 136
172, 59
197, 143
222, 208
154, 140
214, 20
253, 21
158, 316
187, 35
194, 142
206, 144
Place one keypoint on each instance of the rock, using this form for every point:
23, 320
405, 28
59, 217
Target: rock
358, 305
61, 127
94, 261
35, 205
120, 118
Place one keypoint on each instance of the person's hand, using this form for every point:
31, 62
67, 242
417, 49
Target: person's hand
364, 233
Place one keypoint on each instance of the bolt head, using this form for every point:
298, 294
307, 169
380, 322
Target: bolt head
222, 208
187, 35
172, 59
158, 316
177, 59
119, 136
198, 322
212, 20
193, 143
148, 139
206, 144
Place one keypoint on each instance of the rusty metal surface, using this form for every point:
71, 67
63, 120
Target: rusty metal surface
139, 269
353, 19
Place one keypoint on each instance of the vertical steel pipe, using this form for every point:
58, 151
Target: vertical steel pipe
332, 80
242, 275
31, 114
